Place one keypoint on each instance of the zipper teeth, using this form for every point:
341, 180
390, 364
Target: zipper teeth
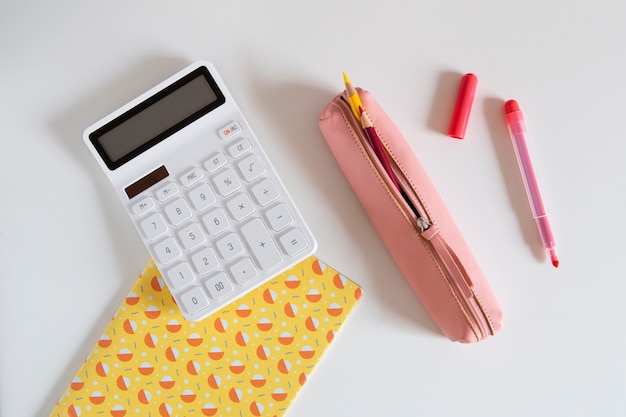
422, 221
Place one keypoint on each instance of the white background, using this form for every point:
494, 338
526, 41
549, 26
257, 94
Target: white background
68, 253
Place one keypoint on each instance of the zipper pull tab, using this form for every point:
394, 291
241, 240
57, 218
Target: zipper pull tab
449, 261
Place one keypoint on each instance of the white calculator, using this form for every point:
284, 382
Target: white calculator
205, 199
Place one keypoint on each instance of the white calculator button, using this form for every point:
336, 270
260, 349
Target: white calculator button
202, 197
244, 271
226, 182
216, 221
229, 246
216, 161
230, 130
153, 226
167, 191
237, 149
293, 241
191, 236
260, 242
240, 207
190, 177
194, 300
279, 217
143, 206
167, 251
251, 168
180, 275
219, 286
177, 211
205, 261
265, 192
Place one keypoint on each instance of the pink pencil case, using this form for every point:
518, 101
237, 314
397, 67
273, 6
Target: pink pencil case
421, 235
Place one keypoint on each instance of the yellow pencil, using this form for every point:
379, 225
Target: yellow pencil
353, 98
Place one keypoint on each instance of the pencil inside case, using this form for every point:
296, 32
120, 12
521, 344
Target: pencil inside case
412, 221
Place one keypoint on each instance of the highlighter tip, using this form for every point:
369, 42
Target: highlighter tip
554, 258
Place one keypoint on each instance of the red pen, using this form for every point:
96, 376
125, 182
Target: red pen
515, 123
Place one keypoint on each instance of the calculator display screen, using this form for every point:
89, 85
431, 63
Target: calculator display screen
157, 118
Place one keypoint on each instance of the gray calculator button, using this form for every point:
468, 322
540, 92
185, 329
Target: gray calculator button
265, 192
240, 207
191, 236
177, 211
205, 261
229, 246
216, 221
226, 182
261, 244
239, 148
251, 168
194, 300
219, 286
143, 206
167, 250
293, 241
202, 197
167, 191
180, 276
191, 177
244, 271
279, 217
215, 162
153, 226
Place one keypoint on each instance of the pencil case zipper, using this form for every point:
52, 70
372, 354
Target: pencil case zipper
414, 209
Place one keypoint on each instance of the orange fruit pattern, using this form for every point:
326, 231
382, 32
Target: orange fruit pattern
250, 359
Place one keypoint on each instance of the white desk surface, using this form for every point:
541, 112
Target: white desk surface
68, 253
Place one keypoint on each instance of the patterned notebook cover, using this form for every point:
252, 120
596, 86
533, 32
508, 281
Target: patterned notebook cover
250, 359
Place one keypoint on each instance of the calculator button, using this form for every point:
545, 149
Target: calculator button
229, 246
230, 130
217, 161
261, 244
251, 168
293, 241
143, 206
239, 148
191, 236
240, 207
265, 192
202, 197
191, 177
167, 251
180, 275
167, 191
219, 286
153, 226
279, 217
216, 221
244, 271
205, 261
226, 182
178, 211
194, 300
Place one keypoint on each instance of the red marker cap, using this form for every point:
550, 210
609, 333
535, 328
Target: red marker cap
463, 106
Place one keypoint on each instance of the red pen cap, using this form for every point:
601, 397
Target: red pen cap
463, 106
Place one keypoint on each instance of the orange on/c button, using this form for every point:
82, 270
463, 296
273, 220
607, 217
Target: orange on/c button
230, 130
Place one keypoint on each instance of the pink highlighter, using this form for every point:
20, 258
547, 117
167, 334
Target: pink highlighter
515, 123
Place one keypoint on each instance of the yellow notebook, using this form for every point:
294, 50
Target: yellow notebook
250, 359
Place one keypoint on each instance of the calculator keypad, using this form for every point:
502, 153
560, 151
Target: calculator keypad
220, 227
